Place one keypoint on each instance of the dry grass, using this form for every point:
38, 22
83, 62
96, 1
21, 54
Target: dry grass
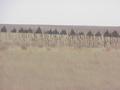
59, 69
23, 47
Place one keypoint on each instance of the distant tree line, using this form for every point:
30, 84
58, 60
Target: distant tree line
63, 32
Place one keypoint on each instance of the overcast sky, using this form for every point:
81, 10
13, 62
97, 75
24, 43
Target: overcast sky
60, 12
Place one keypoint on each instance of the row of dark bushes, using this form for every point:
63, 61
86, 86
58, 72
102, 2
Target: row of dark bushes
63, 32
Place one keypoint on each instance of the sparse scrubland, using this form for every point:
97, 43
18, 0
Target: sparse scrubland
34, 57
44, 62
61, 68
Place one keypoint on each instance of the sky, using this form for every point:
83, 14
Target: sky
61, 12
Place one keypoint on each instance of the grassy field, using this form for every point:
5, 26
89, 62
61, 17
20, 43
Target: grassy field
59, 69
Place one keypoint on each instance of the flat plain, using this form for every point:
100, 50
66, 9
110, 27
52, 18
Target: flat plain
59, 69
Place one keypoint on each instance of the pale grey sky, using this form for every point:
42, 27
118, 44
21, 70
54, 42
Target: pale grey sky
60, 12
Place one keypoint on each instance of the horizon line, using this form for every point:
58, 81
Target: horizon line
61, 25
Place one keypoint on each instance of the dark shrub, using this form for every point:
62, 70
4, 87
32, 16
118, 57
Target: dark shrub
81, 33
107, 34
98, 34
72, 32
115, 34
3, 29
63, 32
39, 30
89, 34
55, 32
14, 30
21, 30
